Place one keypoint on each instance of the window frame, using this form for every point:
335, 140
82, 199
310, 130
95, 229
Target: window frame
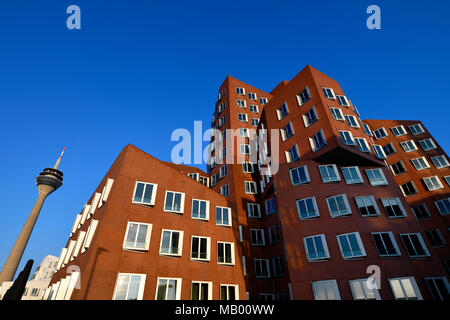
182, 200
147, 236
153, 196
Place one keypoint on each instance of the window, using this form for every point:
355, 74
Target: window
137, 236
338, 205
263, 100
221, 107
229, 292
282, 111
362, 145
440, 162
379, 152
317, 141
245, 149
421, 211
420, 163
287, 131
427, 144
145, 193
253, 210
89, 235
257, 237
351, 245
129, 286
398, 131
443, 206
405, 288
201, 290
326, 290
270, 206
329, 173
240, 91
193, 176
342, 100
292, 154
200, 248
242, 117
225, 252
386, 244
171, 242
222, 121
174, 202
398, 168
328, 93
310, 117
224, 190
307, 208
352, 175
433, 183
274, 235
168, 289
389, 149
243, 132
336, 113
250, 187
34, 292
393, 207
439, 288
247, 167
303, 96
361, 291
254, 108
241, 104
299, 175
408, 146
408, 188
262, 268
435, 238
366, 129
252, 96
376, 177
346, 137
214, 179
200, 209
367, 206
414, 245
278, 266
416, 129
380, 133
316, 247
223, 216
254, 122
223, 171
351, 121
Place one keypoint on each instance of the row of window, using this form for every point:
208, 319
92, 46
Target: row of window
251, 95
432, 183
398, 131
421, 210
421, 163
409, 146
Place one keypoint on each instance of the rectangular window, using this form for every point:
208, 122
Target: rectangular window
299, 175
439, 288
253, 108
137, 236
386, 244
262, 268
247, 167
282, 111
427, 144
287, 131
352, 175
310, 117
380, 133
398, 168
421, 211
250, 187
362, 144
168, 289
366, 129
393, 207
342, 100
242, 117
328, 93
398, 131
443, 206
414, 244
129, 286
336, 113
201, 290
379, 152
263, 100
270, 207
252, 96
193, 176
317, 141
408, 146
254, 122
389, 149
316, 247
303, 96
223, 216
435, 238
307, 208
326, 290
241, 104
447, 179
440, 162
174, 202
223, 171
433, 183
224, 190
214, 179
347, 138
329, 173
243, 132
274, 235
200, 248
200, 209
89, 235
292, 154
257, 237
171, 242
240, 91
351, 245
351, 121
376, 177
408, 188
361, 291
405, 288
145, 193
420, 163
367, 206
245, 149
253, 210
278, 266
222, 121
225, 253
229, 292
416, 129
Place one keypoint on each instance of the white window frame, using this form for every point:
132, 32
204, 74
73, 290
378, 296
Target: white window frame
307, 177
208, 248
346, 212
180, 243
441, 161
222, 212
141, 284
327, 179
249, 189
324, 244
401, 282
319, 285
394, 243
375, 183
352, 180
147, 236
362, 202
251, 212
181, 202
178, 287
358, 240
419, 237
427, 141
260, 235
153, 197
231, 251
315, 207
389, 202
363, 288
206, 213
433, 183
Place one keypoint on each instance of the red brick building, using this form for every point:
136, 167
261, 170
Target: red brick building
328, 215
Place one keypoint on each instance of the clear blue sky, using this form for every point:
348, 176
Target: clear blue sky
139, 69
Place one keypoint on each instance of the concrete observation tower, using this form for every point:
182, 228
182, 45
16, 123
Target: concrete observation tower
48, 181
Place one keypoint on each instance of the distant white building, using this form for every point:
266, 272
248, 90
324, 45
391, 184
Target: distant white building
38, 282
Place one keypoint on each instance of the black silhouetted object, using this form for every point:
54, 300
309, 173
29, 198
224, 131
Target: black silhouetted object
18, 287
